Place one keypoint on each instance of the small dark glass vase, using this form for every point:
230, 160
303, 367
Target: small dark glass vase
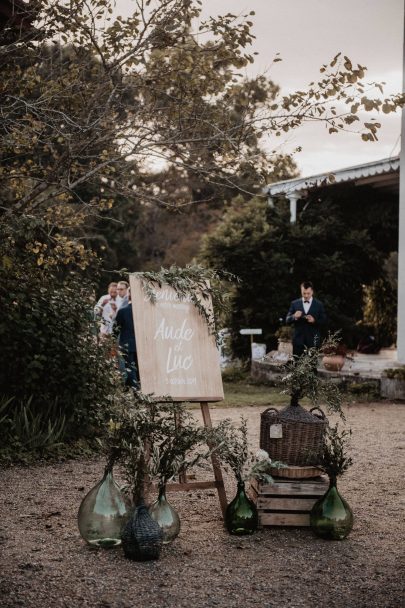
102, 513
142, 537
331, 517
166, 516
241, 515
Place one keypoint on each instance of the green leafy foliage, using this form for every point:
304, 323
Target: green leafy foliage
49, 349
155, 441
334, 459
380, 310
395, 373
302, 379
233, 451
34, 430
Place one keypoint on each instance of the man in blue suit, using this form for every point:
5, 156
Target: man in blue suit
125, 325
307, 316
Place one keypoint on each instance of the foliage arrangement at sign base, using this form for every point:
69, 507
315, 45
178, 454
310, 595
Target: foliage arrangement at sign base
153, 442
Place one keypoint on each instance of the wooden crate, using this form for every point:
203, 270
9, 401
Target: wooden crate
286, 502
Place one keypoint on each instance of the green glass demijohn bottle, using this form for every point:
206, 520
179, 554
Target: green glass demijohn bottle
103, 513
331, 517
166, 516
241, 515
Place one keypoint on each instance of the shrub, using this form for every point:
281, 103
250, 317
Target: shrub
49, 350
395, 373
235, 374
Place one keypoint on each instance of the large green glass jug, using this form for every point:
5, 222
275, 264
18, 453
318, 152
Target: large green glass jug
166, 516
331, 517
241, 515
103, 513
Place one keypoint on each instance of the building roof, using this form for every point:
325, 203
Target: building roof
382, 174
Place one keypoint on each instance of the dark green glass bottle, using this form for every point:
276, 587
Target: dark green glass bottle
331, 517
241, 515
166, 516
102, 513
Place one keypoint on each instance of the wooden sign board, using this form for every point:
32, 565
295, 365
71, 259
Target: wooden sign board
177, 355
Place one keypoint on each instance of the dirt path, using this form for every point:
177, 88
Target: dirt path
45, 564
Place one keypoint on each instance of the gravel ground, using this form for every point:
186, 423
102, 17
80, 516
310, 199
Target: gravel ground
45, 564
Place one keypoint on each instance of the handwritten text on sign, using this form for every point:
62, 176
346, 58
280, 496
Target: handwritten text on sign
176, 354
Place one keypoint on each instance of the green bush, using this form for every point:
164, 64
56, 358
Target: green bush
50, 354
367, 390
235, 374
24, 430
395, 373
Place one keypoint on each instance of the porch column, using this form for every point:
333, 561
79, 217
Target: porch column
293, 198
401, 241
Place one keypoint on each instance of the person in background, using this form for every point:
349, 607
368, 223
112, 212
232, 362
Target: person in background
307, 316
106, 309
124, 325
122, 298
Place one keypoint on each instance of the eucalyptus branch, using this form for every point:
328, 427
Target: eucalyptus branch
302, 379
334, 459
233, 451
193, 283
155, 441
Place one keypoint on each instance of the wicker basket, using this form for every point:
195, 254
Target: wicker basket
297, 438
142, 537
294, 472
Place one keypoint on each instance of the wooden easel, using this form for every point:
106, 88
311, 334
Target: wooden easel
173, 341
218, 482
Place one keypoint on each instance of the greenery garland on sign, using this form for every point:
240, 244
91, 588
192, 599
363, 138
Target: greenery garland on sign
194, 283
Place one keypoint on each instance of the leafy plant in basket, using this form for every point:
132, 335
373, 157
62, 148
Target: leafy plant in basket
233, 450
331, 517
302, 379
294, 435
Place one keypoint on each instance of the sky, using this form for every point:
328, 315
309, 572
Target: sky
308, 33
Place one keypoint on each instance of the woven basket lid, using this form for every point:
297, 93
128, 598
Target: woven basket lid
296, 413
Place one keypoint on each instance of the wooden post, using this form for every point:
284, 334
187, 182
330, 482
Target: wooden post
182, 475
218, 482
